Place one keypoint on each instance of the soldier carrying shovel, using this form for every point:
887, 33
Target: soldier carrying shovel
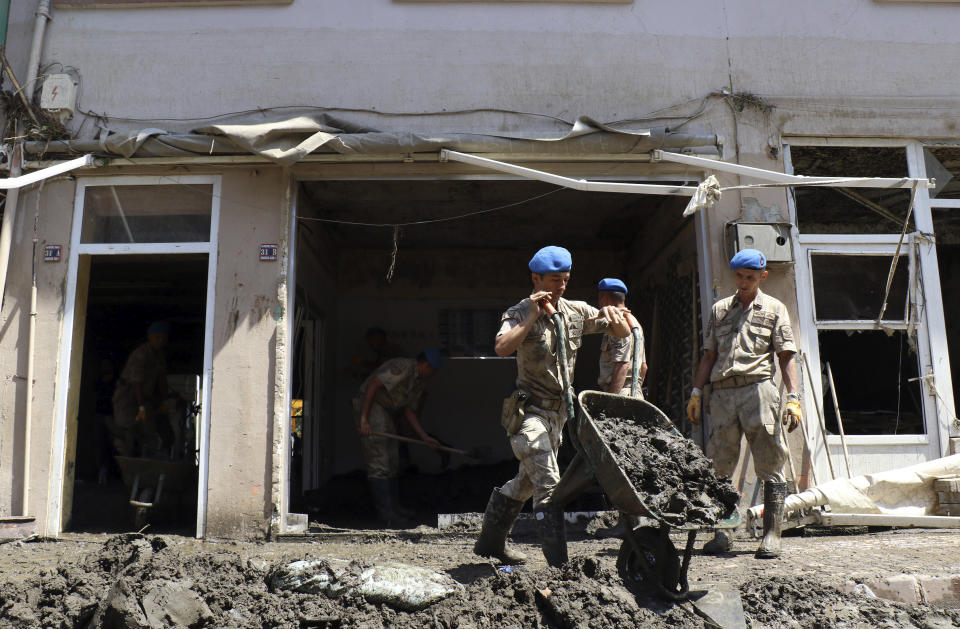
534, 414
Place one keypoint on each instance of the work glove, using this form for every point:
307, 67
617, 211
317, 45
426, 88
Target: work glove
695, 406
794, 415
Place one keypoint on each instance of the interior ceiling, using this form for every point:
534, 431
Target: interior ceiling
593, 220
144, 279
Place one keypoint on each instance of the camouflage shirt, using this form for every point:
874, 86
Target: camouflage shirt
615, 350
402, 386
538, 367
746, 340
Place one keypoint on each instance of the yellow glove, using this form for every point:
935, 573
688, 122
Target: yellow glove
793, 416
695, 406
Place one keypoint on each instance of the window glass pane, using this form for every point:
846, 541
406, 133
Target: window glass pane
467, 332
943, 164
139, 214
825, 210
872, 371
852, 287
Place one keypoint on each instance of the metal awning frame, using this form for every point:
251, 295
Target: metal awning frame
13, 183
770, 176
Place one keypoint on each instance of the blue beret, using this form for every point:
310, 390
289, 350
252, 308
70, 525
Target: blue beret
749, 259
612, 283
159, 327
433, 357
551, 260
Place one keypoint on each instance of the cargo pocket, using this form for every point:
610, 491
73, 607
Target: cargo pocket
575, 331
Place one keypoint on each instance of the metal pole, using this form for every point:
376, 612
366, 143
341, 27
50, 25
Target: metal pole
836, 405
819, 407
9, 218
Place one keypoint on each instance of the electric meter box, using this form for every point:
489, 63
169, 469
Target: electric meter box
59, 95
773, 239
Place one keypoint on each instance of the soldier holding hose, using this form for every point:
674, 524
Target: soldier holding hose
745, 332
616, 354
534, 415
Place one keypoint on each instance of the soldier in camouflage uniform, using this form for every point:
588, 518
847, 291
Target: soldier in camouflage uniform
534, 415
139, 399
393, 388
743, 335
616, 354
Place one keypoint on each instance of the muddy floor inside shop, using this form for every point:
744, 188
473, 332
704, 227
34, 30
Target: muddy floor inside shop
85, 580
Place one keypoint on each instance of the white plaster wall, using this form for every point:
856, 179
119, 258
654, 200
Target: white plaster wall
608, 61
248, 315
53, 227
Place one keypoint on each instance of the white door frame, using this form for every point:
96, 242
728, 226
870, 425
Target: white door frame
58, 453
866, 245
932, 345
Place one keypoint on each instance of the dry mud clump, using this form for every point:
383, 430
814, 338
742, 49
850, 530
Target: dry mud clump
139, 582
671, 473
804, 602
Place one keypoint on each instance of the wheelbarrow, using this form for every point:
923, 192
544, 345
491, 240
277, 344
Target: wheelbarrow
648, 559
149, 478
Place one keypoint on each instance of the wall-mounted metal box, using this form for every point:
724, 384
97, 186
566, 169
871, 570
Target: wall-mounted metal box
773, 239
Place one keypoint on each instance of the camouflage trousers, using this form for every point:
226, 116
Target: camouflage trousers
535, 445
381, 455
752, 410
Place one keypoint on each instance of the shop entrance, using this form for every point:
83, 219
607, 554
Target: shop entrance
139, 282
388, 267
128, 297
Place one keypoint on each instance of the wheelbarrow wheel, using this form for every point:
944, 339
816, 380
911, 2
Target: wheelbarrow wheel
648, 562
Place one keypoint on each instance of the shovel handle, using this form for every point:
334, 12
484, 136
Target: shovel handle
419, 441
547, 306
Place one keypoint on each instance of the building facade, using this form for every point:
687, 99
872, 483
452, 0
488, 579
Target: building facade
270, 179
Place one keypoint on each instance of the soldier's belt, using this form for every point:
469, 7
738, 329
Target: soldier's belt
737, 381
547, 405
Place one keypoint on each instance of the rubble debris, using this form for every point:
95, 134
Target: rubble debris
398, 585
671, 473
136, 581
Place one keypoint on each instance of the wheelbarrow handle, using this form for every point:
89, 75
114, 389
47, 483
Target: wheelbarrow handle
419, 442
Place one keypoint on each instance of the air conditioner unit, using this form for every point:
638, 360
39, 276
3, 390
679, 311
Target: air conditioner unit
773, 239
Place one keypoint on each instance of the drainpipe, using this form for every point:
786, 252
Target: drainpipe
13, 196
36, 46
31, 351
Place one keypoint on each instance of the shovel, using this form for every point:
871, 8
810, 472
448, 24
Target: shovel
474, 453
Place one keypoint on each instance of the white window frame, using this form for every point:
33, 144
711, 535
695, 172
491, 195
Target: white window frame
882, 245
55, 497
931, 332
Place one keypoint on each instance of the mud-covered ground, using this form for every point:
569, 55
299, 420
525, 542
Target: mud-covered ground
157, 581
671, 473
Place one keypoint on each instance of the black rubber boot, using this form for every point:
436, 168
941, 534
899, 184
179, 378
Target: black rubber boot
498, 519
553, 535
720, 544
395, 498
774, 494
382, 495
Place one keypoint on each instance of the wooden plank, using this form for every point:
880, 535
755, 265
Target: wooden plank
951, 484
884, 519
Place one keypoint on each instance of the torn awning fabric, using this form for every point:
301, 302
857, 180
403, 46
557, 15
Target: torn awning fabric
288, 140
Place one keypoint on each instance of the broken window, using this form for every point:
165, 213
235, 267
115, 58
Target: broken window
146, 214
876, 378
466, 332
851, 287
828, 210
943, 165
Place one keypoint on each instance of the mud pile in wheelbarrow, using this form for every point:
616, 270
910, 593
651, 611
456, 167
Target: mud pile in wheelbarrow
671, 473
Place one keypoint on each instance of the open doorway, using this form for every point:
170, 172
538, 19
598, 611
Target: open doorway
390, 267
121, 459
